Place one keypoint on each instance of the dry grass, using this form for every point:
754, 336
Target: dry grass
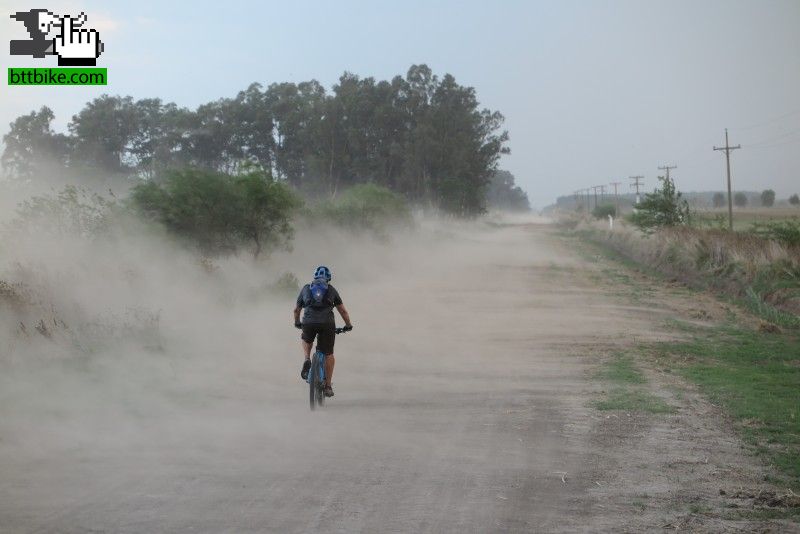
737, 264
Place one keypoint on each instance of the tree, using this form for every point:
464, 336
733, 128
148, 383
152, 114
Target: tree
265, 209
423, 136
297, 111
718, 200
160, 140
503, 194
32, 147
365, 207
740, 199
794, 200
662, 207
767, 198
103, 133
220, 212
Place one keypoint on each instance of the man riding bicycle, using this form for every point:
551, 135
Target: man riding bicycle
318, 299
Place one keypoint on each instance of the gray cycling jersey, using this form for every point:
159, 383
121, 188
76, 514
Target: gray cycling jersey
322, 313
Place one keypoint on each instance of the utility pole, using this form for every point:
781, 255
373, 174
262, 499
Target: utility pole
637, 181
588, 200
667, 168
602, 193
595, 188
616, 198
727, 148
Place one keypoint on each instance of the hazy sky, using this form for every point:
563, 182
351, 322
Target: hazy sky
592, 91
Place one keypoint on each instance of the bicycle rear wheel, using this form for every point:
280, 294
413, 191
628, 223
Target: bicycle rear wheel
320, 378
313, 380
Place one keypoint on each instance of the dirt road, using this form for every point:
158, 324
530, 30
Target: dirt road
463, 404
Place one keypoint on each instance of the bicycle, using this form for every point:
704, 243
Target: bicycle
316, 377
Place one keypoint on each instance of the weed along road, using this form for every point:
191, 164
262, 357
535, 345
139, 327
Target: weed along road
468, 399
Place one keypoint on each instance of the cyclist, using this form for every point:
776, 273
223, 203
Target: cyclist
318, 299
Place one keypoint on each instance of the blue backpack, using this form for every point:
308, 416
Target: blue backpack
317, 291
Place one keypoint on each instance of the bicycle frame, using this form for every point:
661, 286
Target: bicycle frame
316, 377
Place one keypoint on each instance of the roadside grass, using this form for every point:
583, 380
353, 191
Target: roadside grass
755, 377
633, 400
752, 300
630, 392
622, 371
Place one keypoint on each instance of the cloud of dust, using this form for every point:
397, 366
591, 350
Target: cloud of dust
129, 340
139, 381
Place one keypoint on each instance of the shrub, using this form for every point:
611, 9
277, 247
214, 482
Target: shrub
604, 210
218, 211
786, 232
365, 207
662, 207
71, 211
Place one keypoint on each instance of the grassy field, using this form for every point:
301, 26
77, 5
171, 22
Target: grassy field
743, 218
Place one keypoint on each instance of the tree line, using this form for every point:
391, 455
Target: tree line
740, 199
422, 136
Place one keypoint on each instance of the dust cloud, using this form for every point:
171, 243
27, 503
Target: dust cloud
127, 358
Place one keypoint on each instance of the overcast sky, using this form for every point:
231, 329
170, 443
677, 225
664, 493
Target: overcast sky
592, 91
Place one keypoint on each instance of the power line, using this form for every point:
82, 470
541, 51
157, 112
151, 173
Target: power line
768, 121
773, 139
727, 148
782, 143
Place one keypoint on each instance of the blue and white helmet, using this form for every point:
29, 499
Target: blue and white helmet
323, 272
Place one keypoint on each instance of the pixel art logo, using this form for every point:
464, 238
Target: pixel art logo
63, 36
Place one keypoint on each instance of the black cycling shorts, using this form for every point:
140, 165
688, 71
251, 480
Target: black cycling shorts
325, 334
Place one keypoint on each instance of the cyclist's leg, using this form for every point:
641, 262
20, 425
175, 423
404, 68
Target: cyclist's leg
325, 342
307, 339
330, 361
